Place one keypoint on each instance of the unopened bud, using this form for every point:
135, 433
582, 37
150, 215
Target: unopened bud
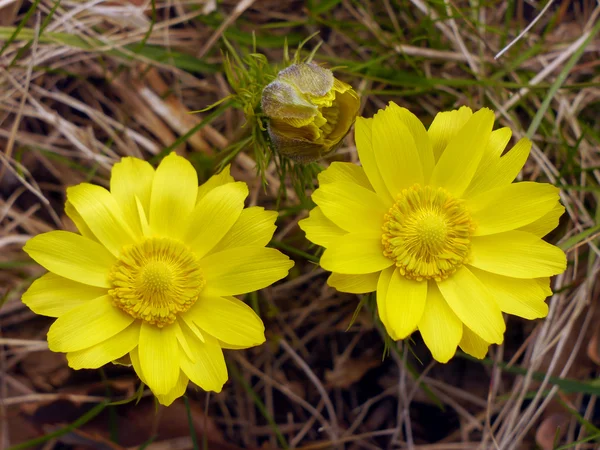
309, 111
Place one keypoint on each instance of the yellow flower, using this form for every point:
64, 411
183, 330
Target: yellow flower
434, 224
153, 272
309, 111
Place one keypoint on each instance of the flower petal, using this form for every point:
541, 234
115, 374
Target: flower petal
395, 150
364, 147
106, 351
71, 256
164, 399
459, 161
404, 304
102, 214
319, 229
240, 270
351, 207
131, 178
89, 324
52, 295
517, 254
343, 171
472, 344
355, 253
159, 357
382, 289
177, 391
474, 305
419, 134
500, 171
229, 320
174, 191
80, 224
354, 284
445, 126
546, 223
491, 157
219, 179
440, 328
511, 206
254, 227
523, 298
214, 216
209, 370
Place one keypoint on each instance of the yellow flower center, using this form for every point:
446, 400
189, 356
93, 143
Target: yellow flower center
427, 233
156, 279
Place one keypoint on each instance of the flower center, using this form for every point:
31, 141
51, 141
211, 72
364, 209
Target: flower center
427, 233
156, 279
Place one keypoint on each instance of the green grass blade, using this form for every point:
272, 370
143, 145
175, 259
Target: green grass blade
560, 79
233, 370
20, 27
73, 426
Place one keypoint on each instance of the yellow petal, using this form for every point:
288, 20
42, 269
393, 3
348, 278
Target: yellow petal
355, 253
404, 304
209, 370
214, 216
364, 147
459, 161
491, 157
511, 206
395, 152
546, 223
440, 328
498, 141
517, 254
382, 289
354, 284
419, 134
173, 197
106, 351
89, 324
254, 227
164, 399
76, 218
319, 229
176, 392
102, 214
216, 180
135, 362
493, 151
52, 295
131, 178
343, 171
500, 171
159, 357
351, 207
229, 320
243, 269
474, 305
445, 126
523, 298
71, 256
472, 344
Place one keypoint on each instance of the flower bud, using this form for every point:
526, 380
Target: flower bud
309, 111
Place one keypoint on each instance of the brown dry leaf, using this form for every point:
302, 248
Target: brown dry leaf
347, 371
593, 348
82, 440
46, 370
551, 429
135, 424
